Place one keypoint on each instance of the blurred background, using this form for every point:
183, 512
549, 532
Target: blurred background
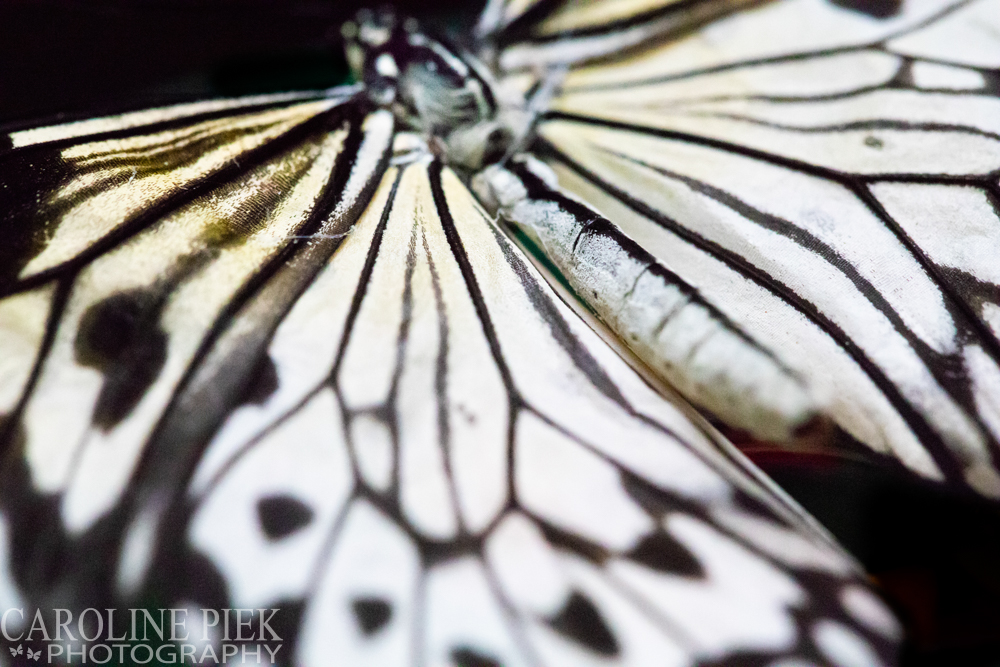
73, 57
934, 555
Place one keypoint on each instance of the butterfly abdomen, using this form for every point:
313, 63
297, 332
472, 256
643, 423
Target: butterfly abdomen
662, 319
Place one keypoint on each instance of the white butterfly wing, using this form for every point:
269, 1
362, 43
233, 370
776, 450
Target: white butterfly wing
831, 188
392, 430
489, 490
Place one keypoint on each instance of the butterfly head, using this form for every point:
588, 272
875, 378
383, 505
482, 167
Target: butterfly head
432, 88
370, 42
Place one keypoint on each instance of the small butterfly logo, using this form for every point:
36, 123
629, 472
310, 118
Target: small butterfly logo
18, 651
34, 655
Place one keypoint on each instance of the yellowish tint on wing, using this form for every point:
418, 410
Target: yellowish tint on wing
116, 179
585, 14
196, 260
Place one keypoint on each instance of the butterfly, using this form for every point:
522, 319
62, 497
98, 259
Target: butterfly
16, 652
34, 655
383, 356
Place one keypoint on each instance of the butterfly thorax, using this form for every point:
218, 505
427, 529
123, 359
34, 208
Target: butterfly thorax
432, 88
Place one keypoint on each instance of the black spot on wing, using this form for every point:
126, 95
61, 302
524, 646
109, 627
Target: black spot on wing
282, 515
880, 9
761, 510
992, 79
661, 552
570, 541
195, 578
657, 502
122, 338
464, 656
581, 621
263, 383
372, 614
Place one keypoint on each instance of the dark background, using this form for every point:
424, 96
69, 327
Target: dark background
74, 58
935, 555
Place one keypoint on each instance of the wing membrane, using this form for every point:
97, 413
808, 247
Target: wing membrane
458, 542
66, 202
400, 438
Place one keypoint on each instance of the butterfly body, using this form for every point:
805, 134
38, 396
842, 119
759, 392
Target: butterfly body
446, 95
